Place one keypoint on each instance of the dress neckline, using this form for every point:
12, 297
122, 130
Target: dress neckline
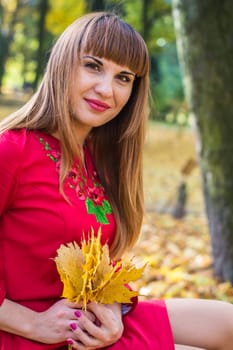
55, 141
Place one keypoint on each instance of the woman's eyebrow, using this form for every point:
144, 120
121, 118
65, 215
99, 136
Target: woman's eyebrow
95, 59
101, 64
128, 73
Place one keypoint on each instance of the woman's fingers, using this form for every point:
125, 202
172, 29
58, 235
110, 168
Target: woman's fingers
81, 336
104, 314
98, 327
86, 334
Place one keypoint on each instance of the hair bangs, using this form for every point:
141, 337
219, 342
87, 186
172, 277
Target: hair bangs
110, 38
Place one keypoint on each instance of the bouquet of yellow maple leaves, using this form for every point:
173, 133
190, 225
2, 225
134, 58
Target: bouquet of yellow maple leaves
88, 274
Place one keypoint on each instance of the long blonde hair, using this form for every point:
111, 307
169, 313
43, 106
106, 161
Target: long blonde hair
117, 145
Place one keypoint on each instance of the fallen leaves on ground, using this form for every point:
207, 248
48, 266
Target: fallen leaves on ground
178, 252
179, 260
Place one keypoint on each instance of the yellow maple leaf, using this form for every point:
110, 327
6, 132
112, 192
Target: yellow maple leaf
69, 262
88, 274
114, 290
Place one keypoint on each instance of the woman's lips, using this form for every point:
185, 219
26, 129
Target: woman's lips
97, 105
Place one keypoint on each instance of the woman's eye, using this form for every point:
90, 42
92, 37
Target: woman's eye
124, 78
92, 66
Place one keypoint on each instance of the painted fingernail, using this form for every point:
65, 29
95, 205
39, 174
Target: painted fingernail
73, 326
97, 322
70, 341
77, 313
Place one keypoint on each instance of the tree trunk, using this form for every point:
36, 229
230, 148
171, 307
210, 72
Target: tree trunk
205, 46
96, 5
43, 7
145, 20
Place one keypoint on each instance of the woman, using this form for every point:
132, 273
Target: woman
87, 118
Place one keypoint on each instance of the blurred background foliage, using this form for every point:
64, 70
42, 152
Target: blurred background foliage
28, 29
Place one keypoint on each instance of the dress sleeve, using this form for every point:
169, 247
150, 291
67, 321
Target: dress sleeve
126, 308
10, 157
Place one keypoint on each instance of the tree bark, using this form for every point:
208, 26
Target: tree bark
96, 5
205, 46
43, 8
145, 20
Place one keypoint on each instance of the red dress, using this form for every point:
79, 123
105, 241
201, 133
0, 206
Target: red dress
35, 220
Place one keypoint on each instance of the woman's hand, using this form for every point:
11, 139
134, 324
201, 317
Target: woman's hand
55, 324
50, 327
99, 326
106, 329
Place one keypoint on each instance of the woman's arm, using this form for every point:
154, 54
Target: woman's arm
185, 347
50, 327
201, 323
56, 325
16, 319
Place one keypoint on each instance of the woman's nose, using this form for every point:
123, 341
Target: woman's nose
104, 86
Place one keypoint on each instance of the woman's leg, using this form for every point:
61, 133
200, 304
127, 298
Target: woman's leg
205, 324
185, 347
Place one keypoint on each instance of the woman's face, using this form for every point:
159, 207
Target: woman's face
100, 90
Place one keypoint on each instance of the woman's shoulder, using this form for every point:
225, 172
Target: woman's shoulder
13, 136
17, 142
20, 137
12, 153
20, 147
12, 140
